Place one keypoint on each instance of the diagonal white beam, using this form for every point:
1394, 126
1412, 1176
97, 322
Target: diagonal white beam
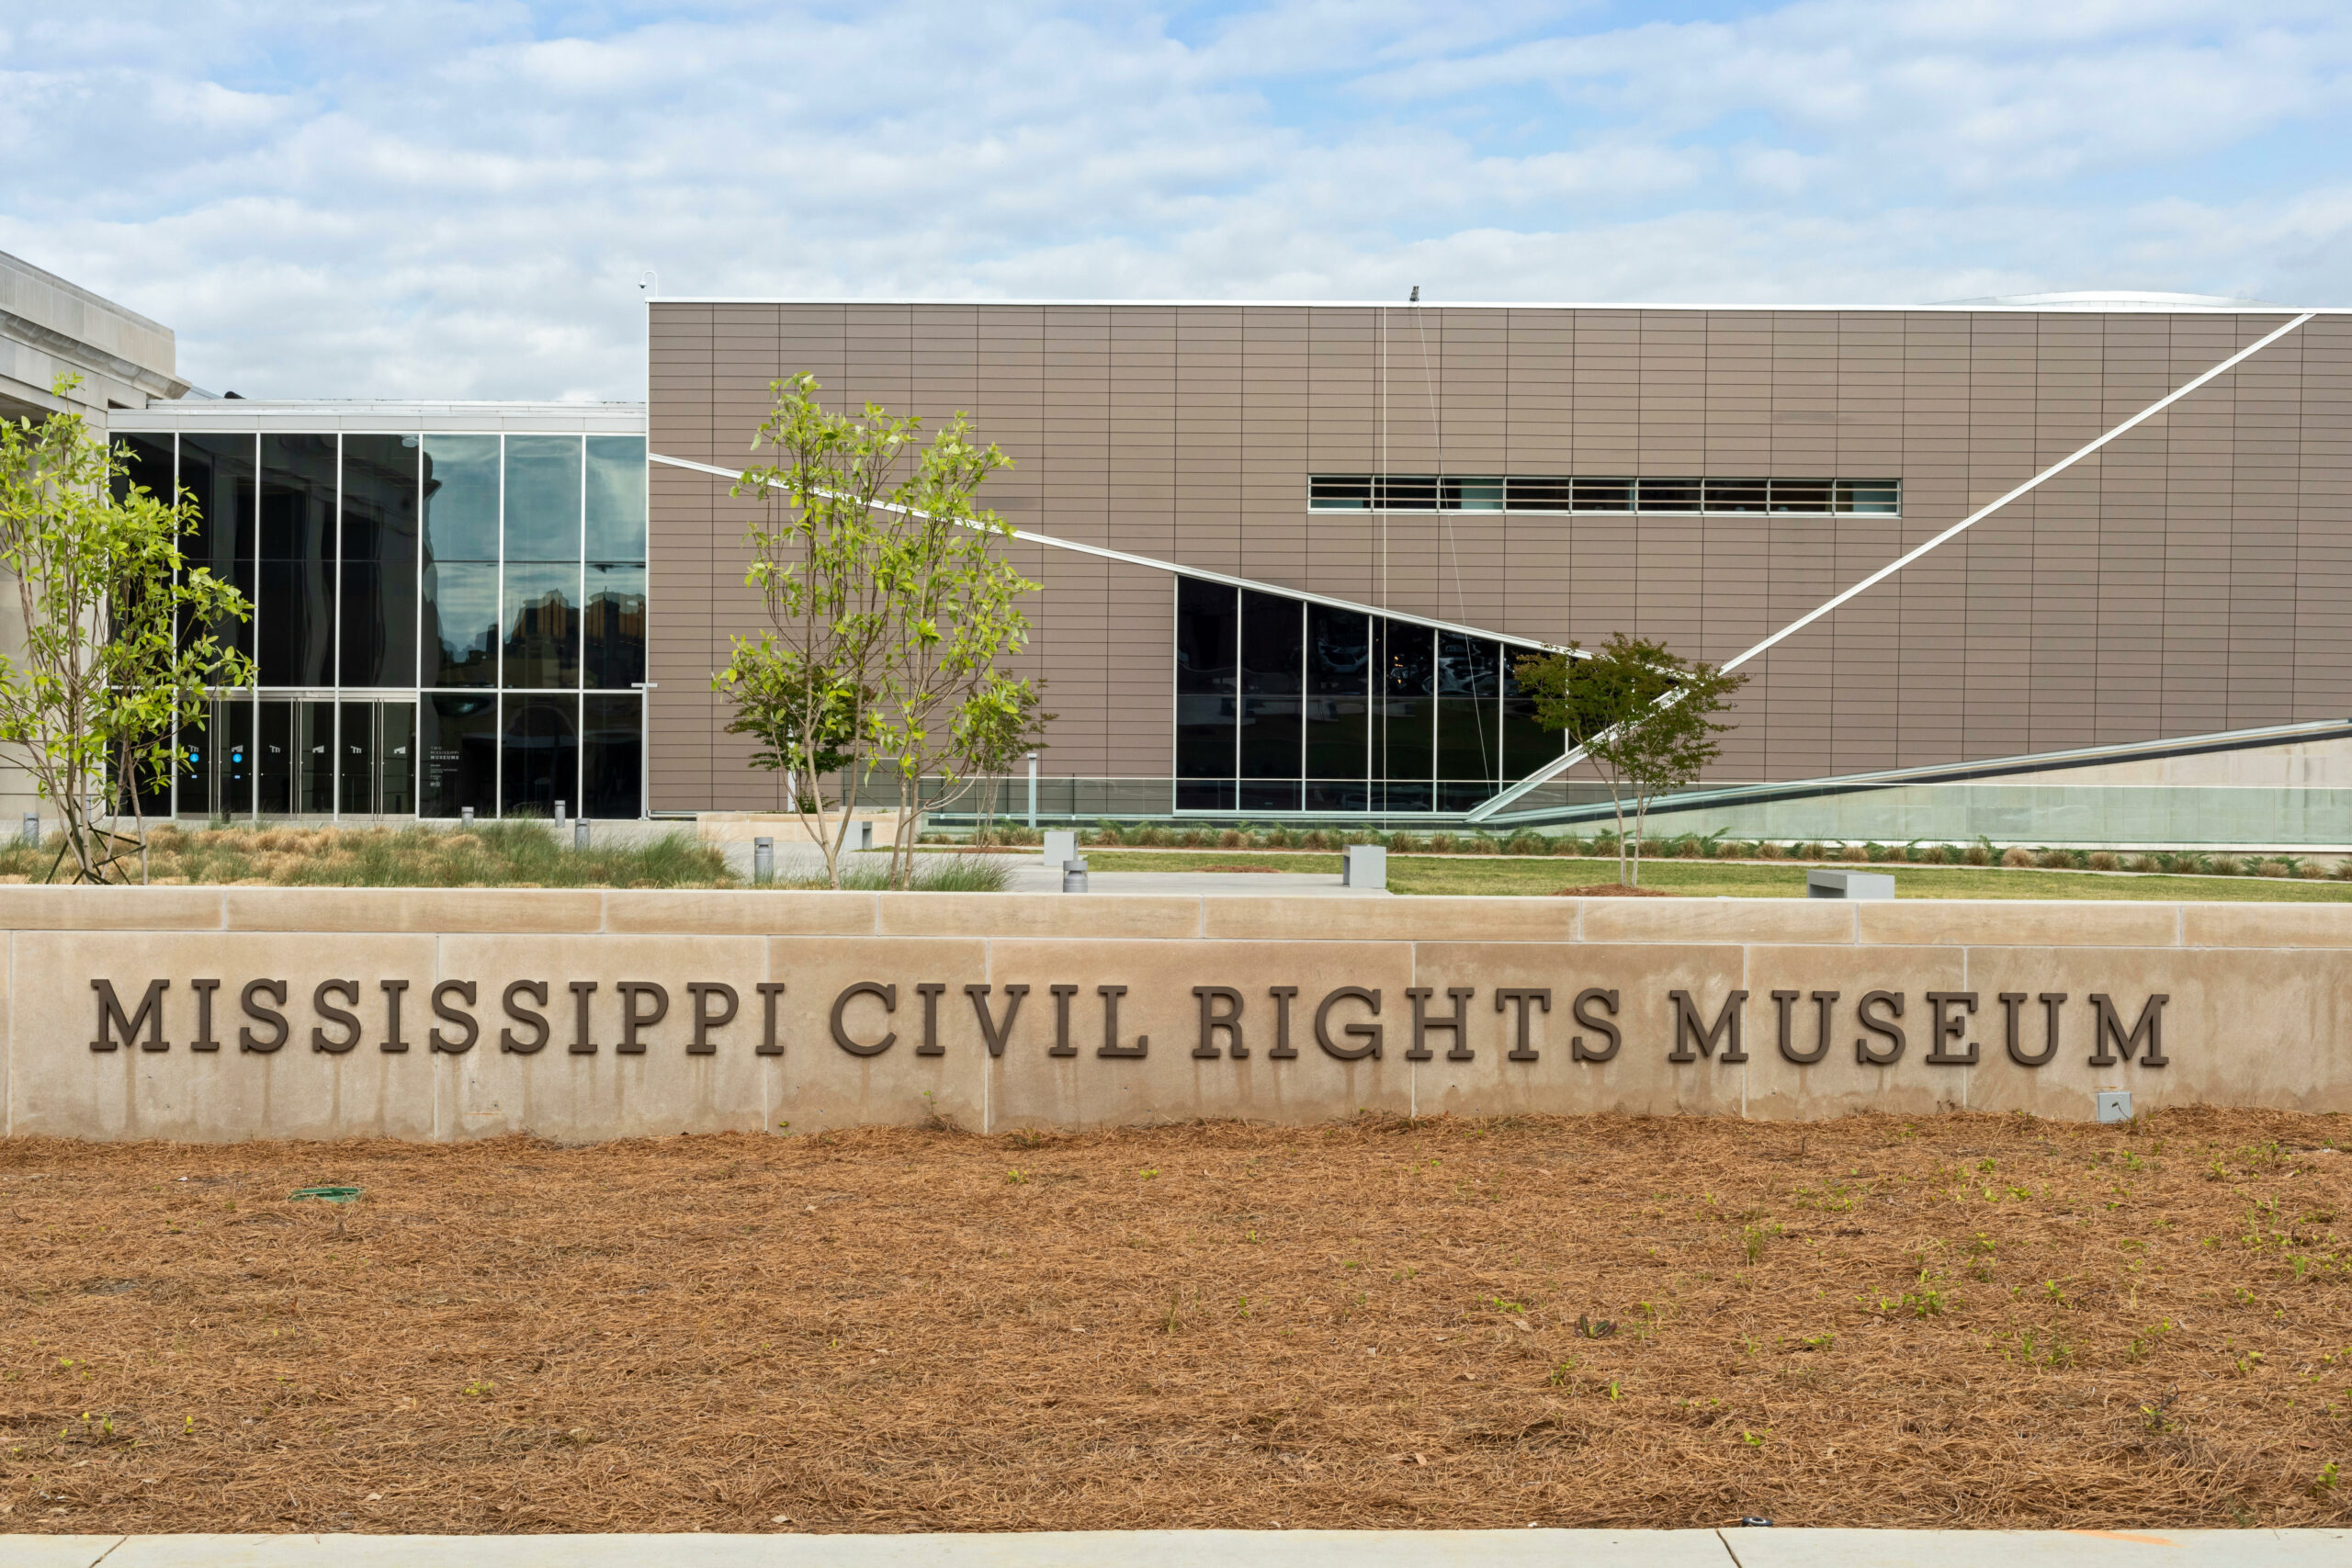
1099, 551
1551, 771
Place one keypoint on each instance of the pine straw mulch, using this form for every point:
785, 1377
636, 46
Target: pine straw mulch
1964, 1320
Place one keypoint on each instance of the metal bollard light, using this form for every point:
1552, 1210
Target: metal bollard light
32, 829
1073, 876
764, 860
558, 813
580, 833
465, 814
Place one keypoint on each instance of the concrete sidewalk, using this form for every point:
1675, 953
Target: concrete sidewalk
1217, 1549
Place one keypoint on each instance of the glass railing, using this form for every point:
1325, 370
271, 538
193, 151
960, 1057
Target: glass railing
2123, 816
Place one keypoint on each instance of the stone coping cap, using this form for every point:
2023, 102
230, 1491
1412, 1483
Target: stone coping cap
1171, 917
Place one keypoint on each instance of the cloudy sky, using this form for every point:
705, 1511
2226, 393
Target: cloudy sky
425, 198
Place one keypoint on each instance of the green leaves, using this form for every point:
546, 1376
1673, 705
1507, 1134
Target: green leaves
89, 705
888, 606
1644, 716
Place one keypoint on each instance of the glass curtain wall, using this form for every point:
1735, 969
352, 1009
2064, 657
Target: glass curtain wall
476, 602
1284, 704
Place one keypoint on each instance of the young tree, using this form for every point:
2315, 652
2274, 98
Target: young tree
1000, 726
1642, 715
888, 606
773, 702
106, 677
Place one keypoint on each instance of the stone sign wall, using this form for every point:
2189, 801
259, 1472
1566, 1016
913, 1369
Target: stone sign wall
193, 1014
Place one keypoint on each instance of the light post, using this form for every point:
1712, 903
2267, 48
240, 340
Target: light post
644, 690
1032, 789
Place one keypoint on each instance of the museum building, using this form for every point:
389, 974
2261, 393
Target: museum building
2046, 570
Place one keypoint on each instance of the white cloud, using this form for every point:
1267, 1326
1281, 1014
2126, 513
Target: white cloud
444, 199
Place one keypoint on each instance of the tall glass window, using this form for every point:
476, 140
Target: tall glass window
1406, 719
1339, 708
1374, 714
542, 623
612, 759
616, 523
1207, 652
380, 475
216, 781
457, 753
1274, 636
461, 608
1527, 745
1469, 747
542, 761
294, 611
615, 632
441, 621
219, 471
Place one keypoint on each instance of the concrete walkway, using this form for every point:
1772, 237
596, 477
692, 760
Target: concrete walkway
1217, 1549
1029, 876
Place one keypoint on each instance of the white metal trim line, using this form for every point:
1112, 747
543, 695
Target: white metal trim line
1554, 769
1125, 558
2115, 309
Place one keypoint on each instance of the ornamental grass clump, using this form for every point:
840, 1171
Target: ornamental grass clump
488, 854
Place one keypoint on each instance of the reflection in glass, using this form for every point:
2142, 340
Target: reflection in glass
294, 613
541, 765
458, 752
1467, 747
216, 769
396, 758
379, 569
1272, 648
219, 470
615, 658
276, 753
1339, 695
461, 624
355, 761
460, 497
1527, 745
542, 623
616, 498
148, 466
613, 758
1207, 633
542, 498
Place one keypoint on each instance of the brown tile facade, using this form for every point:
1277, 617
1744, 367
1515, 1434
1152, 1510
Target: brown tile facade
2191, 577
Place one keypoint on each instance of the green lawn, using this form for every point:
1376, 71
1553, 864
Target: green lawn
1709, 879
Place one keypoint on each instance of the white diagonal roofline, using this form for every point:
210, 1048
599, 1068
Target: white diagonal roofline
1749, 305
1554, 769
1130, 558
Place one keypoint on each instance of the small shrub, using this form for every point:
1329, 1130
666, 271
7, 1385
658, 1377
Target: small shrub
1767, 850
1978, 853
1874, 852
1232, 838
2103, 860
1567, 844
2016, 855
1404, 844
2273, 868
2225, 865
2055, 860
1442, 844
2310, 869
1934, 854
